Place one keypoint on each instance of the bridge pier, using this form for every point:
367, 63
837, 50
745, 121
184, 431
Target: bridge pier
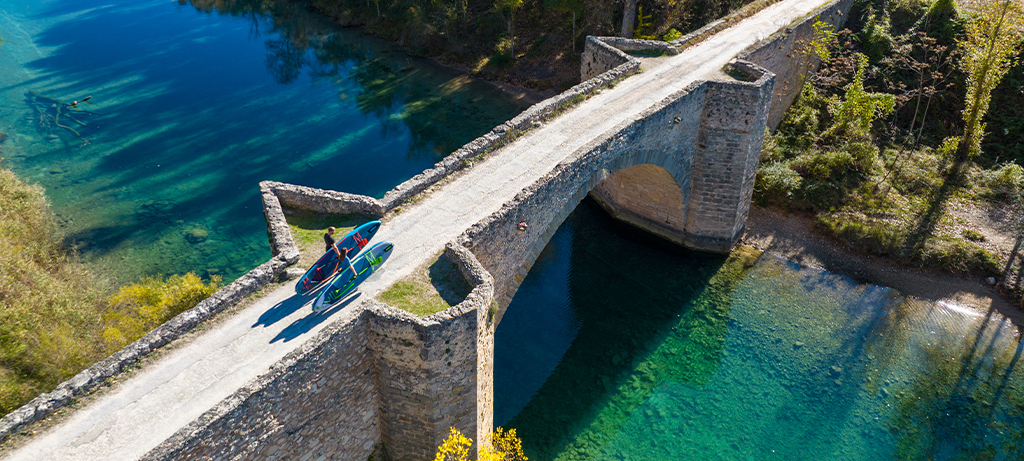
706, 207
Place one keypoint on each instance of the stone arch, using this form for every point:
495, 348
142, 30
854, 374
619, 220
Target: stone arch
700, 146
646, 196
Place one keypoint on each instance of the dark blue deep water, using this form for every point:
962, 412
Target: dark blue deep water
194, 103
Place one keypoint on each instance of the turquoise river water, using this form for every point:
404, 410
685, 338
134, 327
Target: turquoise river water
194, 103
617, 346
621, 347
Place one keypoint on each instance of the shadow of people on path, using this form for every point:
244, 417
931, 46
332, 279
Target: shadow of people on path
307, 323
282, 309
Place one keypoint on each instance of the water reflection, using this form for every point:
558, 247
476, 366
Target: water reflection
681, 356
195, 104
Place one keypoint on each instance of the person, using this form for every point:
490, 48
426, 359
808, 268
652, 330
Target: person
329, 239
342, 252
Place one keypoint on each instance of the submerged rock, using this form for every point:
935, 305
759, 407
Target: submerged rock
196, 235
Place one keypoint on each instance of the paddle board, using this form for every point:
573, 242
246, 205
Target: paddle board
329, 263
345, 283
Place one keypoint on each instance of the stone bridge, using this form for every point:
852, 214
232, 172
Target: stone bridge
669, 144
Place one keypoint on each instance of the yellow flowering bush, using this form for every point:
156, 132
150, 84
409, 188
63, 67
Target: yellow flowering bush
500, 446
139, 307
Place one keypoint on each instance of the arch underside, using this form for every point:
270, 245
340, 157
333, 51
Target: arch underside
648, 197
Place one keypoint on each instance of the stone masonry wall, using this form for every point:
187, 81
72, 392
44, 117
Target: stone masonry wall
320, 400
663, 136
780, 54
703, 208
599, 57
428, 369
377, 381
647, 197
717, 202
728, 148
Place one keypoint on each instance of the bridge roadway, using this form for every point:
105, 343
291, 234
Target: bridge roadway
139, 413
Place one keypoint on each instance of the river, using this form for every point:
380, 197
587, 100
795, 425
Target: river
193, 104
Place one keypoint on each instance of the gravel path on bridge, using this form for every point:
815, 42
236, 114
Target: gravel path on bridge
141, 412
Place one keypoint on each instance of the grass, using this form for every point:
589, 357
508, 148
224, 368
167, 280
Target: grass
431, 288
308, 229
50, 309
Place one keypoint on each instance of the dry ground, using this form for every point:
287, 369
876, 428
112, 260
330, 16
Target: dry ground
794, 237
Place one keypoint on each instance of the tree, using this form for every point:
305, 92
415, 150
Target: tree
852, 115
994, 31
510, 6
628, 18
500, 446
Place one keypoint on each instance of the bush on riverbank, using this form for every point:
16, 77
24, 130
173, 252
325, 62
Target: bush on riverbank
55, 318
894, 184
142, 306
49, 305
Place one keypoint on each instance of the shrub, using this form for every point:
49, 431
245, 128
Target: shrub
876, 38
139, 307
801, 124
853, 113
1005, 183
672, 34
972, 235
958, 256
500, 446
919, 173
824, 165
49, 303
874, 235
776, 182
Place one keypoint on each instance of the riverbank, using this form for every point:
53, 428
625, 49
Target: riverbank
794, 236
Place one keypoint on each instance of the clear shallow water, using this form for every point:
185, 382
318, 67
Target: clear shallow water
195, 103
647, 352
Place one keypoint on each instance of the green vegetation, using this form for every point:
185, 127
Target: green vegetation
434, 287
533, 43
870, 145
992, 37
308, 230
49, 305
142, 306
56, 318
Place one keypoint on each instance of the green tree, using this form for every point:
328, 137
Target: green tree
852, 115
994, 31
509, 7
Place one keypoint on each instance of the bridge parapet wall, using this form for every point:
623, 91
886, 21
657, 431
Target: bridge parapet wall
435, 372
319, 399
781, 52
378, 381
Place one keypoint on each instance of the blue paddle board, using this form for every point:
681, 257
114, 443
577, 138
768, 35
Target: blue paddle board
329, 263
345, 282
